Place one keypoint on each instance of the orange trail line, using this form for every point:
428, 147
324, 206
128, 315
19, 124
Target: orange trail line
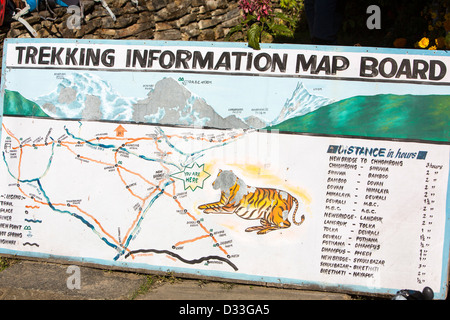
175, 136
191, 216
144, 254
137, 174
181, 207
194, 138
131, 227
86, 158
20, 164
204, 139
171, 179
202, 226
100, 162
18, 141
129, 189
166, 168
141, 138
191, 240
222, 249
10, 133
130, 140
38, 201
29, 145
137, 218
96, 221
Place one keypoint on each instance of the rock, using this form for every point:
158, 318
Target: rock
186, 19
161, 26
191, 30
206, 35
172, 34
134, 29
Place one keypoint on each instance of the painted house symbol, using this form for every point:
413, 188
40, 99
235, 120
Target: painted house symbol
120, 131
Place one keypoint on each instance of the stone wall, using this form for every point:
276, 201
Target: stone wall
152, 19
189, 20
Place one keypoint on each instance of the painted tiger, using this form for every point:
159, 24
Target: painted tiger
271, 206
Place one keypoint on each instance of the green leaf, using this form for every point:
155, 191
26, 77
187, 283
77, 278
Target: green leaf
281, 15
284, 17
254, 36
249, 18
281, 29
233, 30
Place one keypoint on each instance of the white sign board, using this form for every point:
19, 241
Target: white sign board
320, 167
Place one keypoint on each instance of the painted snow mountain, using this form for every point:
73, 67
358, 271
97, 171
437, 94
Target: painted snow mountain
169, 102
300, 103
86, 96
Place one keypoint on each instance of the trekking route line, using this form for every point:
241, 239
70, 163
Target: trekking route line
122, 145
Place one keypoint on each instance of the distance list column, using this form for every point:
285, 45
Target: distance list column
384, 210
339, 215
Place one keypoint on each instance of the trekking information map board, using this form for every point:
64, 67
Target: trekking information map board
322, 167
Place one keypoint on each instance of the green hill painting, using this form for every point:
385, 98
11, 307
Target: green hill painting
424, 117
15, 104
